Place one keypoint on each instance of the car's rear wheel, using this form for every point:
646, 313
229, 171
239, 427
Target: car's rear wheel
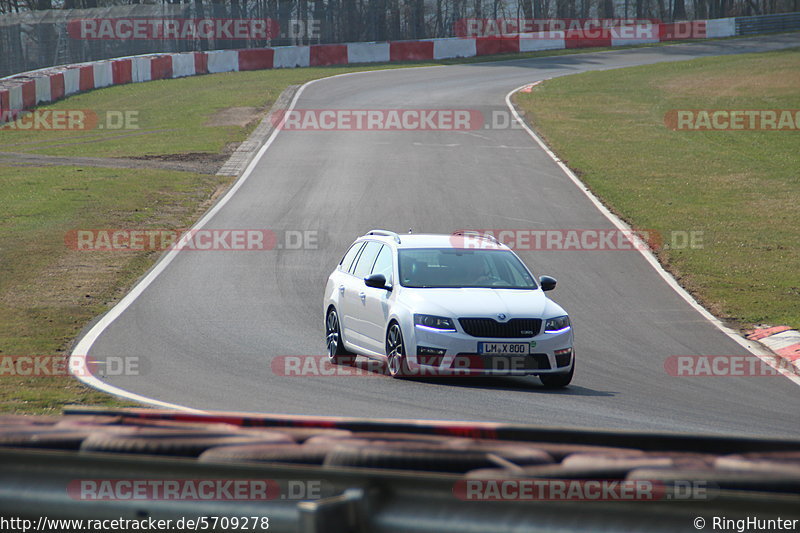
396, 352
337, 353
558, 381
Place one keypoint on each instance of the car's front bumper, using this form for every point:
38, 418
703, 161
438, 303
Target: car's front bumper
456, 353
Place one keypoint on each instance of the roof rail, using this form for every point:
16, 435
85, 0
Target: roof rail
385, 233
477, 234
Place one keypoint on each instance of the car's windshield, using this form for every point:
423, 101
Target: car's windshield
454, 267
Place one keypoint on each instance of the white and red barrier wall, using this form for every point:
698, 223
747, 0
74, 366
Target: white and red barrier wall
25, 91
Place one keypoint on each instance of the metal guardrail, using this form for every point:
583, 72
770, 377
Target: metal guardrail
413, 489
354, 500
644, 440
767, 23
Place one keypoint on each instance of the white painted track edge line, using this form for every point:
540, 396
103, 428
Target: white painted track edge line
752, 347
83, 346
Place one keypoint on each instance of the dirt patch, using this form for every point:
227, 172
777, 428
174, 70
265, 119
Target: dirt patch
235, 116
193, 162
758, 81
191, 156
204, 163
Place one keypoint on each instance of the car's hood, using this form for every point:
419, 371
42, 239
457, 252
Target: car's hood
457, 303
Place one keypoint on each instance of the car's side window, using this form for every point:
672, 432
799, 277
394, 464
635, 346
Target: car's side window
347, 260
366, 259
384, 264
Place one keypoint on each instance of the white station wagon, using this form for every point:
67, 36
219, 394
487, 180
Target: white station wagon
433, 305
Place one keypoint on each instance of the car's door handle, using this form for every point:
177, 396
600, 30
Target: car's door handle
362, 295
341, 289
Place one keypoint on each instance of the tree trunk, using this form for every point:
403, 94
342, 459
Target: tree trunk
679, 10
418, 19
319, 17
348, 20
527, 9
565, 8
393, 31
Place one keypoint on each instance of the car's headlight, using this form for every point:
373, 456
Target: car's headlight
557, 324
434, 322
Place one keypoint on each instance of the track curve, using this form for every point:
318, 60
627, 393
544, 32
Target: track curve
209, 325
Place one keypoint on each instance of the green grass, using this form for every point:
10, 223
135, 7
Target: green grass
48, 292
741, 189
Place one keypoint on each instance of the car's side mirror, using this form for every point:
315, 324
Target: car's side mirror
378, 281
547, 283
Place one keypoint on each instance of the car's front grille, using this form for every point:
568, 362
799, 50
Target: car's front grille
516, 328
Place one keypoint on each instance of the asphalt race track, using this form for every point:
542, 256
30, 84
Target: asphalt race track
209, 325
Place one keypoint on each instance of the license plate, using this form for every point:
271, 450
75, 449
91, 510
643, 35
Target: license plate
503, 348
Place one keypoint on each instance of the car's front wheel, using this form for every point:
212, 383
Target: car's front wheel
396, 352
558, 381
337, 353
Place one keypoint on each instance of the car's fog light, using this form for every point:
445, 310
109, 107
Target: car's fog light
563, 357
425, 350
430, 356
